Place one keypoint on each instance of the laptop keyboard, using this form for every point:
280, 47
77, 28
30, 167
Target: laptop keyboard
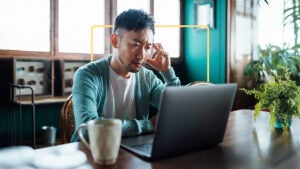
147, 147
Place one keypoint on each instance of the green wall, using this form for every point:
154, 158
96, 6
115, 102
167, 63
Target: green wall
195, 46
46, 114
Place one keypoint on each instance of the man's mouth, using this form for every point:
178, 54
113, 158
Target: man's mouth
138, 63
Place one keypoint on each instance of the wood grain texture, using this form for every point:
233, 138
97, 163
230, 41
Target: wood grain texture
247, 144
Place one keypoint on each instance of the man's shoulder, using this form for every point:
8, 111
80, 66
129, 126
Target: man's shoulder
97, 64
96, 68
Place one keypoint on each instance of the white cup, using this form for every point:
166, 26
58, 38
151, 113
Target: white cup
104, 139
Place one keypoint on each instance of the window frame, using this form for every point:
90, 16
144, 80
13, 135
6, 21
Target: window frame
54, 53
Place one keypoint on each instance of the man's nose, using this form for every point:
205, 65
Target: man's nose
142, 53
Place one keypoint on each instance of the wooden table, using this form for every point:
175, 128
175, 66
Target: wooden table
247, 144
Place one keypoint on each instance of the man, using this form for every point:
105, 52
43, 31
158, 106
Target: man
118, 86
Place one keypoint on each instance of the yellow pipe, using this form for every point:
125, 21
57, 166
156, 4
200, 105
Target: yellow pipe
207, 54
165, 26
92, 38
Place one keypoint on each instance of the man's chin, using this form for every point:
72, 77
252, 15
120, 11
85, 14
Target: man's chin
134, 70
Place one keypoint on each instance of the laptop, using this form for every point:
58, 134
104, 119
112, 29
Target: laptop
189, 118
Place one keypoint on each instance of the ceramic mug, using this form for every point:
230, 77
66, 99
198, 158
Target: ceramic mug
104, 139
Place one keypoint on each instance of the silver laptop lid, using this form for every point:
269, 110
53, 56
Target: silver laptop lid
191, 118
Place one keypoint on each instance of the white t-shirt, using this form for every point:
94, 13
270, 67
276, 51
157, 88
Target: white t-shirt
120, 100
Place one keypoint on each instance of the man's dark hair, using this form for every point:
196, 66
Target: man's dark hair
134, 20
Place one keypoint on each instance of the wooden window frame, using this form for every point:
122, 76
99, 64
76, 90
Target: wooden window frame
54, 35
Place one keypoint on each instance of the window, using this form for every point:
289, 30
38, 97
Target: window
270, 17
126, 4
61, 28
25, 25
169, 37
75, 20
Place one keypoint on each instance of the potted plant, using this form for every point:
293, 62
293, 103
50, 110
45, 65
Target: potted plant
271, 59
273, 56
280, 96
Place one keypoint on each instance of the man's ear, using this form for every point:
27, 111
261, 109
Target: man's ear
114, 40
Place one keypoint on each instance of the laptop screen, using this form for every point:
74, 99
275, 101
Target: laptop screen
191, 118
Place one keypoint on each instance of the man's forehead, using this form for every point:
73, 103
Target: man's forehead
141, 37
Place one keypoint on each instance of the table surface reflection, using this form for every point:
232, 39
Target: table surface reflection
247, 144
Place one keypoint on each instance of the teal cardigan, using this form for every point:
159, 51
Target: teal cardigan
90, 88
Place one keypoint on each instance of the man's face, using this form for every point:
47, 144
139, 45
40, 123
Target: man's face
132, 49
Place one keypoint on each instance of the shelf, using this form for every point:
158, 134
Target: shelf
50, 100
35, 74
64, 72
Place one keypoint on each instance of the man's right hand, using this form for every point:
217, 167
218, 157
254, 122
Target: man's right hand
160, 60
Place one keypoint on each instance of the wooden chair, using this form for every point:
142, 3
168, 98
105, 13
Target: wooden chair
67, 121
196, 83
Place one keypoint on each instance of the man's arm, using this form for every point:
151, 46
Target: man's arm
86, 87
136, 127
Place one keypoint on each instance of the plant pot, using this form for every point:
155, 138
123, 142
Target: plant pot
298, 79
278, 124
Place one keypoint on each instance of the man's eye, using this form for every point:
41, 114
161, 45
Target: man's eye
149, 47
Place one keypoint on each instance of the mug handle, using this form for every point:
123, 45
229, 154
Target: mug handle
81, 137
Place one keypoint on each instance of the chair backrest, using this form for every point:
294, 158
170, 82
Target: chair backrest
196, 83
67, 121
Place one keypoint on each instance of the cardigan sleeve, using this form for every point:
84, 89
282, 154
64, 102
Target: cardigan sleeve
136, 127
85, 92
170, 78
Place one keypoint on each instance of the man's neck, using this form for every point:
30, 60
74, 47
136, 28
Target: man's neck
118, 70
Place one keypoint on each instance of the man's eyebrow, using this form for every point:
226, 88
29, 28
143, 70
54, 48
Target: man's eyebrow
137, 40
